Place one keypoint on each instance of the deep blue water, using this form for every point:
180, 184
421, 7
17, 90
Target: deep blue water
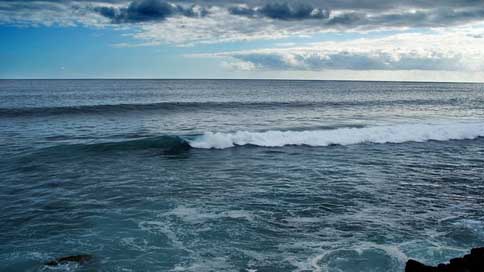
239, 175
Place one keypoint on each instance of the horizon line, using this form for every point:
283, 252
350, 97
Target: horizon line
260, 79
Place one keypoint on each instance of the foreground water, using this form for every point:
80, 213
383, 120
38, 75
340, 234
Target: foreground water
239, 175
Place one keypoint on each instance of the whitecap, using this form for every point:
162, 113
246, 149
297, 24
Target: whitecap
397, 133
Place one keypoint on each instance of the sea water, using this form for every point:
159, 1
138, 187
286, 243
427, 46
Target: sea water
239, 175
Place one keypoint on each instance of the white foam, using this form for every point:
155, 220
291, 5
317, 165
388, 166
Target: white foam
398, 133
321, 262
197, 215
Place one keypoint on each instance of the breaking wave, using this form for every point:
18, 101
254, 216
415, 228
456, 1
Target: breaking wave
324, 136
399, 133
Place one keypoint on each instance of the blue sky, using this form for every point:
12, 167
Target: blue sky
374, 40
72, 52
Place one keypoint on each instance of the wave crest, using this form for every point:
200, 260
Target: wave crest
343, 136
191, 106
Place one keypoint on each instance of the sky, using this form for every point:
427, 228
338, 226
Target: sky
414, 40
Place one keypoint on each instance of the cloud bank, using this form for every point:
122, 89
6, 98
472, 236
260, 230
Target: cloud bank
320, 15
398, 52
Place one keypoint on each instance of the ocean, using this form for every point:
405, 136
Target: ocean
239, 175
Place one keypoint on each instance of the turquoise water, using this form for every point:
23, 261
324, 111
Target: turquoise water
239, 175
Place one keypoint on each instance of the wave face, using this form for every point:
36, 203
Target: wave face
343, 136
166, 144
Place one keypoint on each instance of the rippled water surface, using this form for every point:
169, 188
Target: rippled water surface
213, 175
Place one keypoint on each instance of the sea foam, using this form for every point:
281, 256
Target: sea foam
397, 133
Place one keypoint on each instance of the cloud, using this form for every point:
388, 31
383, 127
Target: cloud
219, 26
398, 52
423, 18
34, 13
148, 10
183, 22
282, 11
348, 14
369, 19
373, 60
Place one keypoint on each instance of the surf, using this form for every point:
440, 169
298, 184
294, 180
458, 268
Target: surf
318, 137
396, 133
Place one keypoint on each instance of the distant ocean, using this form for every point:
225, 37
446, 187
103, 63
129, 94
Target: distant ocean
239, 175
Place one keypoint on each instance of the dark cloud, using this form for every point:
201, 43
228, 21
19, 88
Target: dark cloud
428, 18
242, 11
148, 10
373, 16
439, 17
366, 5
282, 11
361, 5
347, 14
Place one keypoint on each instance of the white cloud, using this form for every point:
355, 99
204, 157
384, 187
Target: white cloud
415, 51
238, 65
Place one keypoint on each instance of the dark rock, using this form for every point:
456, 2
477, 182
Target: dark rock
473, 262
80, 259
414, 266
477, 251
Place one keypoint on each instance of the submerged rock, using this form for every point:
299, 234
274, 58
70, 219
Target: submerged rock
473, 262
80, 259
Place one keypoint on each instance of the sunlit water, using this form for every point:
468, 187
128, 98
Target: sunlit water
239, 175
